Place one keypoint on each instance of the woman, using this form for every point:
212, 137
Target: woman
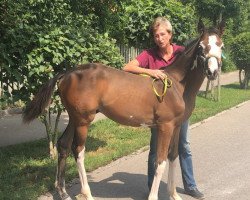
151, 62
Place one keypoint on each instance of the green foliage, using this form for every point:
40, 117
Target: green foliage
139, 15
212, 9
227, 62
42, 38
61, 49
241, 50
105, 12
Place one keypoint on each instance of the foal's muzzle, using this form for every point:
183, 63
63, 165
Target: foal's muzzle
212, 68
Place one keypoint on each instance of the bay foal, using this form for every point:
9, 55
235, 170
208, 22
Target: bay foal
129, 99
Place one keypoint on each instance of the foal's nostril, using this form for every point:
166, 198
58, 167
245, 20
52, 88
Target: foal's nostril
209, 73
215, 73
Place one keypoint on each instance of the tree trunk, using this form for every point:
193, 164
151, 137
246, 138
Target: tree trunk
218, 85
52, 150
52, 134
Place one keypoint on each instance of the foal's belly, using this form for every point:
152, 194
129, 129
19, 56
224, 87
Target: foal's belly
129, 117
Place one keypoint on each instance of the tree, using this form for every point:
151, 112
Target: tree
212, 9
138, 15
241, 53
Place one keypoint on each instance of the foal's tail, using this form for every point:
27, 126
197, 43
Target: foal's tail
41, 101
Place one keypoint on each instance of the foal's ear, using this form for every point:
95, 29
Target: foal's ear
221, 27
201, 26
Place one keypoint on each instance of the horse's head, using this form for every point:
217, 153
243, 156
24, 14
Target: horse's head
210, 49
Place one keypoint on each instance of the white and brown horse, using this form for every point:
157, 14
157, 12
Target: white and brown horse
129, 99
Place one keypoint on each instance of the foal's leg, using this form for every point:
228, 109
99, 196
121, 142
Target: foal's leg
171, 181
165, 132
63, 147
173, 154
78, 149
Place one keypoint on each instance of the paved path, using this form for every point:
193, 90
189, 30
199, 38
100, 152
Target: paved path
13, 131
220, 147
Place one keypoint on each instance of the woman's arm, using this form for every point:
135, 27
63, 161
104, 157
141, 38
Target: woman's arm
133, 66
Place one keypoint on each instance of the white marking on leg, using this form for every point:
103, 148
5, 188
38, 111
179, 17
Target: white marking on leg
171, 181
157, 179
83, 176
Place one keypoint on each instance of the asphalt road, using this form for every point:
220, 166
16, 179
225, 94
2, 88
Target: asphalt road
221, 156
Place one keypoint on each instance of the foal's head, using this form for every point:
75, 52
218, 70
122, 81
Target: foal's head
210, 49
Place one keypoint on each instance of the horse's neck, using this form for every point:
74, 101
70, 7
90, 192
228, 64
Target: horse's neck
180, 68
193, 82
189, 81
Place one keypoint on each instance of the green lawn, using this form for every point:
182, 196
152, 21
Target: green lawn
26, 171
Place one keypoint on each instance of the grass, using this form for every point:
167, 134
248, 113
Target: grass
26, 171
231, 95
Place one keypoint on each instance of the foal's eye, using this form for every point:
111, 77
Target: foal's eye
200, 49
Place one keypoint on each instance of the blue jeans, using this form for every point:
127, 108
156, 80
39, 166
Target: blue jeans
185, 157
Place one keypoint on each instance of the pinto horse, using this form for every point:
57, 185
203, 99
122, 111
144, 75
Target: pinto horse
129, 100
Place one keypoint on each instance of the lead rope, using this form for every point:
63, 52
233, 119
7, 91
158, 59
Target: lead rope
167, 83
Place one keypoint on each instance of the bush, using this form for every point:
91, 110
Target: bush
227, 63
42, 38
240, 48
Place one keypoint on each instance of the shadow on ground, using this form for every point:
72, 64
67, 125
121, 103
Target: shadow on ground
121, 185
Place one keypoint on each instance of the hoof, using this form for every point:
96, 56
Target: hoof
152, 198
65, 197
83, 197
175, 197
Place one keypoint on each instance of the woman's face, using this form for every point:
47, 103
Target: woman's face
162, 36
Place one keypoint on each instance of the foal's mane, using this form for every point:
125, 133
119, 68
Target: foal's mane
189, 43
190, 49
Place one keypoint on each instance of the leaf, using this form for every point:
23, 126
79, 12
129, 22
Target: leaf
47, 49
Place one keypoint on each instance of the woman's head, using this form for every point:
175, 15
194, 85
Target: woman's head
161, 30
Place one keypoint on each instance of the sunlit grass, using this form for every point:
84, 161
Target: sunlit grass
231, 95
27, 172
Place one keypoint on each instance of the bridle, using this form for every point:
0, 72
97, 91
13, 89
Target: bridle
202, 61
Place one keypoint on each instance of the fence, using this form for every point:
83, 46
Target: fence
129, 53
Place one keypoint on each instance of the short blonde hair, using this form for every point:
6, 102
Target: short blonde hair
161, 21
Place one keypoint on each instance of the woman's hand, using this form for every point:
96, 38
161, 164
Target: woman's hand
156, 73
